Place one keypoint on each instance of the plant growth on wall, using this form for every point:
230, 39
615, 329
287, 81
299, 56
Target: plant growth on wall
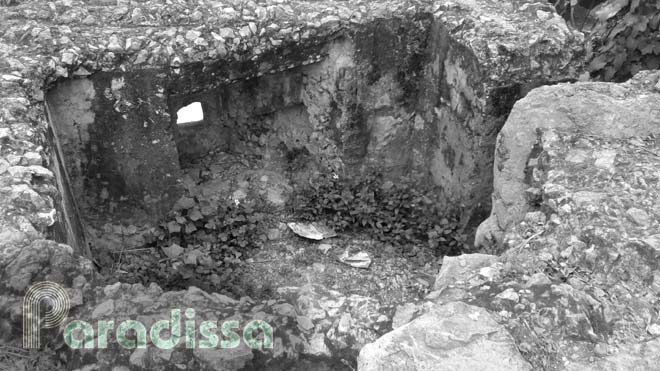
625, 38
402, 213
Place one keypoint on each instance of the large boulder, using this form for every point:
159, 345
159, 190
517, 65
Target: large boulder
454, 336
578, 285
608, 111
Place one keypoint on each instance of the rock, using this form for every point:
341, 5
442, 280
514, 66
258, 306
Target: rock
538, 279
33, 158
358, 260
461, 268
644, 356
594, 107
192, 35
638, 216
273, 234
653, 241
312, 231
227, 359
344, 324
463, 337
508, 294
285, 309
605, 160
317, 346
305, 323
324, 248
404, 314
104, 309
654, 329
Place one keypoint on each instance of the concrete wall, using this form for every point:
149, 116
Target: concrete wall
115, 137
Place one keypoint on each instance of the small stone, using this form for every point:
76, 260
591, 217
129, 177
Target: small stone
245, 32
605, 159
4, 165
317, 346
538, 279
305, 323
404, 314
68, 58
138, 357
184, 203
114, 44
14, 160
239, 195
273, 234
192, 35
638, 216
104, 309
490, 273
543, 15
226, 33
285, 309
325, 247
600, 349
5, 133
652, 241
654, 329
509, 294
535, 218
12, 78
344, 324
32, 158
75, 297
577, 156
318, 267
89, 20
45, 35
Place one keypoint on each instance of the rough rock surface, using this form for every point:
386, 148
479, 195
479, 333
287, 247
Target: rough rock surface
577, 285
482, 56
454, 336
605, 111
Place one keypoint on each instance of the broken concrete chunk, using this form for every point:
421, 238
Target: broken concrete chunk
359, 260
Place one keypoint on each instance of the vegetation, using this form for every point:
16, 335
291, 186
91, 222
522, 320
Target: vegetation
204, 244
401, 213
624, 39
201, 244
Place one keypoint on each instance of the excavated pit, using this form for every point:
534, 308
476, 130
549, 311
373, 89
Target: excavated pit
402, 100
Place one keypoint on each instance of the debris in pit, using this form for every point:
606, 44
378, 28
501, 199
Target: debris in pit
359, 260
312, 231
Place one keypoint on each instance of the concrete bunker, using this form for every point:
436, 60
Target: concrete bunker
402, 99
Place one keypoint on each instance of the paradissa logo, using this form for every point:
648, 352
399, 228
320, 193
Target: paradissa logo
80, 334
53, 300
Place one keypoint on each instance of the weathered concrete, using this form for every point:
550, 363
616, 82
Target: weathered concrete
416, 84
